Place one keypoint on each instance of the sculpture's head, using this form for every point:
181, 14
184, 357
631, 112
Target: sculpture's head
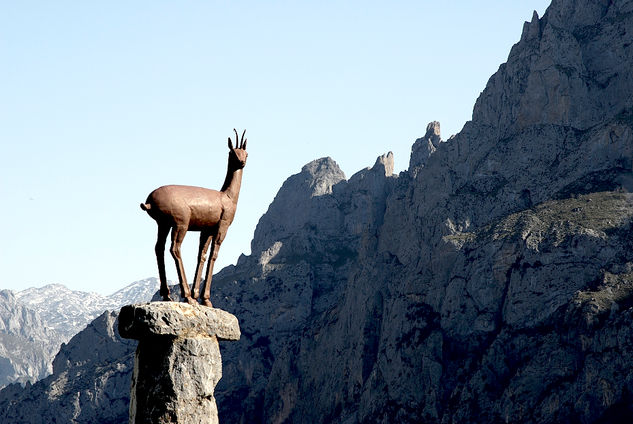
237, 155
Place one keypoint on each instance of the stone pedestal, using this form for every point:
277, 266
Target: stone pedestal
178, 362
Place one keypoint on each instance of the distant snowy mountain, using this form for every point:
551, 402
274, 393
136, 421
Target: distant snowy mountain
69, 311
27, 345
35, 322
138, 291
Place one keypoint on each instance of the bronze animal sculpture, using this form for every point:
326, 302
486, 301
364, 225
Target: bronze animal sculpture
185, 208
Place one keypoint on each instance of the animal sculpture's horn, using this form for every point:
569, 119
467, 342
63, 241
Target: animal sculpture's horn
237, 139
243, 143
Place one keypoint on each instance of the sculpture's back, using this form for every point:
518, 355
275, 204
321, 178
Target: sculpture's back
200, 207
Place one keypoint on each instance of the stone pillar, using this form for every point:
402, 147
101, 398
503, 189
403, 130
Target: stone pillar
177, 362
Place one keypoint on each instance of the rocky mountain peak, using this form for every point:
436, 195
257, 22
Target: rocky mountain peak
425, 146
319, 176
68, 311
385, 164
570, 68
531, 29
293, 206
433, 132
36, 321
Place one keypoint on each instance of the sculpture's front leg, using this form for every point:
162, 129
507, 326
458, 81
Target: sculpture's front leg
215, 249
205, 241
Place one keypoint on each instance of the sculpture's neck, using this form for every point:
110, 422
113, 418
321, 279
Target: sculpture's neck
232, 184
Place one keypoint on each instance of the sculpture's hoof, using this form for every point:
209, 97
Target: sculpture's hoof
167, 298
191, 301
207, 302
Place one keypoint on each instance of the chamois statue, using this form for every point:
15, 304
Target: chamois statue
185, 208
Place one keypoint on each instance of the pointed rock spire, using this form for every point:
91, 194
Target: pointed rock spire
424, 147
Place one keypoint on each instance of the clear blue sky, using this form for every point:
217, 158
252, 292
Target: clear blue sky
101, 102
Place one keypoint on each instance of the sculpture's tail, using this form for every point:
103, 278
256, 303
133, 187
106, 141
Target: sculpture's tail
146, 206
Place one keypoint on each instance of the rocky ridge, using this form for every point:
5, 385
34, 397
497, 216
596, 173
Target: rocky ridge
492, 281
35, 322
26, 342
69, 311
90, 381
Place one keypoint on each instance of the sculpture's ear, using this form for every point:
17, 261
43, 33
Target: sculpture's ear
230, 144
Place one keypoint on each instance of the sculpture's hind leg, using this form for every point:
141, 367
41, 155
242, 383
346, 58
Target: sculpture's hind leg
163, 231
205, 240
177, 236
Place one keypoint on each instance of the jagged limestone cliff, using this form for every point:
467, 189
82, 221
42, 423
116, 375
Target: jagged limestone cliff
489, 283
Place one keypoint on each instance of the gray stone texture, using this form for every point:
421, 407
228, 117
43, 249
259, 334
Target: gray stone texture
143, 320
27, 344
36, 321
489, 283
424, 147
90, 382
177, 363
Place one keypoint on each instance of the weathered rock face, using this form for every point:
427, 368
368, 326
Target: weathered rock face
177, 363
490, 283
424, 147
493, 279
90, 381
300, 202
27, 345
296, 279
570, 68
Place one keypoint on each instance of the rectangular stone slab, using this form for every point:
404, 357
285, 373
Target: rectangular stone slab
176, 319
